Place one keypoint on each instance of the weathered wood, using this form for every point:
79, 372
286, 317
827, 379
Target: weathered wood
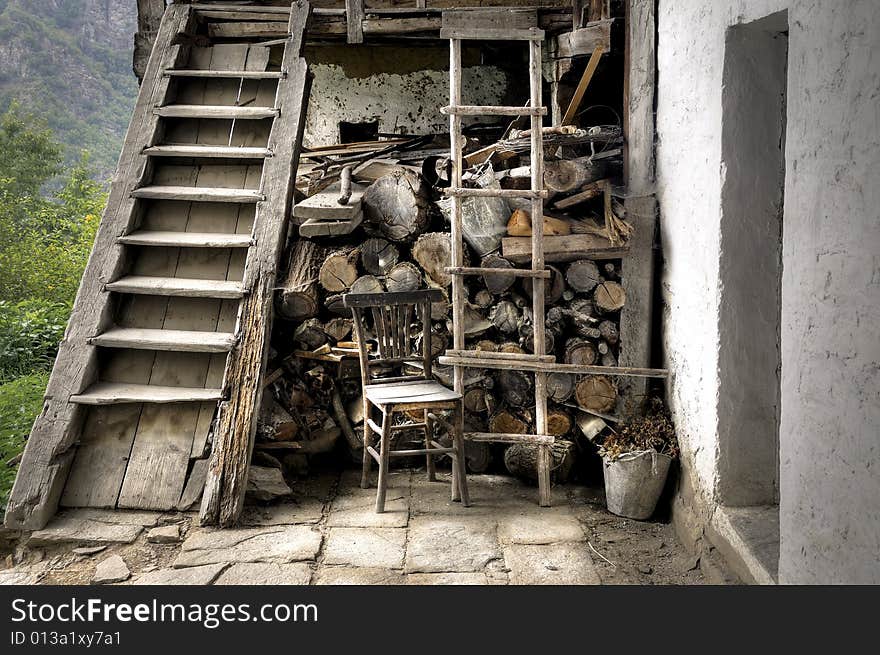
583, 275
378, 256
569, 175
157, 238
506, 317
354, 17
112, 393
580, 352
404, 276
174, 340
554, 287
516, 387
560, 387
523, 461
176, 286
367, 284
585, 40
596, 393
563, 248
433, 252
505, 422
299, 298
559, 422
609, 297
497, 283
338, 329
396, 206
339, 269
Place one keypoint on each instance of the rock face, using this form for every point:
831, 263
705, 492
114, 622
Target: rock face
113, 569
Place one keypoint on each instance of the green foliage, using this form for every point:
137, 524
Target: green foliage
20, 402
29, 335
32, 157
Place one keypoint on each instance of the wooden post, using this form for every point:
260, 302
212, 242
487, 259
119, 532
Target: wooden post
637, 316
150, 13
226, 482
458, 298
354, 18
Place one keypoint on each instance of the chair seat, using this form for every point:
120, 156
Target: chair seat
417, 391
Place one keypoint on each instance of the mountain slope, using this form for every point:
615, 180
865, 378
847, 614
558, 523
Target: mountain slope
70, 62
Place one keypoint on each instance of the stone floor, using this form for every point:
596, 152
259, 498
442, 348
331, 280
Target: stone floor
329, 534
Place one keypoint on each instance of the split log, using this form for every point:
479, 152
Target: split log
554, 286
310, 334
559, 422
396, 206
582, 323
299, 297
497, 283
338, 329
475, 323
339, 269
335, 305
478, 400
596, 393
520, 225
583, 275
506, 422
569, 175
378, 256
515, 387
440, 309
608, 331
486, 345
404, 276
506, 317
521, 460
510, 348
367, 284
433, 252
439, 343
579, 352
560, 387
609, 297
527, 334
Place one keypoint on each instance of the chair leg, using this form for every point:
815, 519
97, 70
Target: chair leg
460, 465
384, 460
429, 459
368, 438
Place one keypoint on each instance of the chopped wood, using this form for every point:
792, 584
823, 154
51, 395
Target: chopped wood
596, 393
583, 275
609, 297
396, 206
299, 298
339, 269
404, 276
378, 256
433, 252
562, 248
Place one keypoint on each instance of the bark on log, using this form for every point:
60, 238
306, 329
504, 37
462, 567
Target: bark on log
608, 331
310, 334
506, 422
505, 316
515, 387
367, 284
569, 175
596, 393
580, 352
433, 252
560, 387
378, 256
338, 329
559, 422
521, 460
609, 297
553, 287
396, 206
583, 275
483, 299
497, 283
404, 276
478, 400
339, 270
299, 297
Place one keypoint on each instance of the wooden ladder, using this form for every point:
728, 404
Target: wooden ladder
170, 326
500, 25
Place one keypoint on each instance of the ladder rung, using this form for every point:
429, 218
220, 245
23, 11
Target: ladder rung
454, 192
538, 439
198, 194
523, 363
176, 286
421, 451
208, 152
186, 239
479, 110
517, 272
229, 74
114, 393
507, 357
171, 340
216, 111
482, 34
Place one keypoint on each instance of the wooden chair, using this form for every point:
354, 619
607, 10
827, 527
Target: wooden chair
392, 316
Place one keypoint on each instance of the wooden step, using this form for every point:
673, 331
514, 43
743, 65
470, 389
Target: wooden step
207, 152
176, 286
186, 239
173, 340
229, 74
115, 393
198, 194
216, 111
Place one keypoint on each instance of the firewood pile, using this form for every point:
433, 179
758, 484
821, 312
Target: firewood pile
371, 217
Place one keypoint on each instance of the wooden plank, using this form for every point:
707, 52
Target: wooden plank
315, 228
498, 110
354, 17
175, 286
112, 393
212, 152
161, 238
499, 437
231, 452
244, 75
216, 112
242, 30
195, 194
553, 367
585, 40
577, 98
48, 454
563, 248
490, 19
195, 483
478, 34
173, 340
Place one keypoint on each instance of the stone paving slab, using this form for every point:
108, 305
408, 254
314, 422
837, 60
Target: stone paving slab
546, 525
110, 570
439, 544
355, 575
366, 547
72, 529
304, 510
357, 509
431, 579
554, 564
18, 577
279, 544
195, 575
266, 574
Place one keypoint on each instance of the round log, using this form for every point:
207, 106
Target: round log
608, 331
396, 206
505, 317
310, 334
298, 298
404, 276
506, 422
433, 253
583, 275
439, 343
527, 334
521, 460
515, 387
478, 400
483, 299
559, 422
486, 345
580, 352
477, 456
553, 287
596, 393
567, 176
510, 347
367, 284
335, 305
338, 328
339, 270
497, 283
378, 256
560, 387
440, 309
609, 297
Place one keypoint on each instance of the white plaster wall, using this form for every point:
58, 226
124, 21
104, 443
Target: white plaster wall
830, 417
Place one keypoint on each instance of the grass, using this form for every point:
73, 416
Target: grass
20, 402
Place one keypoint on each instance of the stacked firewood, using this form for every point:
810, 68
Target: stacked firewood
402, 242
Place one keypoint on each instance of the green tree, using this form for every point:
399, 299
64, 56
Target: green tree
30, 155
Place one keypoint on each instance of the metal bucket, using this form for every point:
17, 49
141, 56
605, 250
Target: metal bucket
634, 482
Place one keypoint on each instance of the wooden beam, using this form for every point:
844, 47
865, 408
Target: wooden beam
584, 41
578, 96
354, 19
226, 480
638, 270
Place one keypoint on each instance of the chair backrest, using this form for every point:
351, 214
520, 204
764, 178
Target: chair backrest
392, 315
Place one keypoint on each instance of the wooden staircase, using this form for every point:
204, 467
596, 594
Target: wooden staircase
193, 228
